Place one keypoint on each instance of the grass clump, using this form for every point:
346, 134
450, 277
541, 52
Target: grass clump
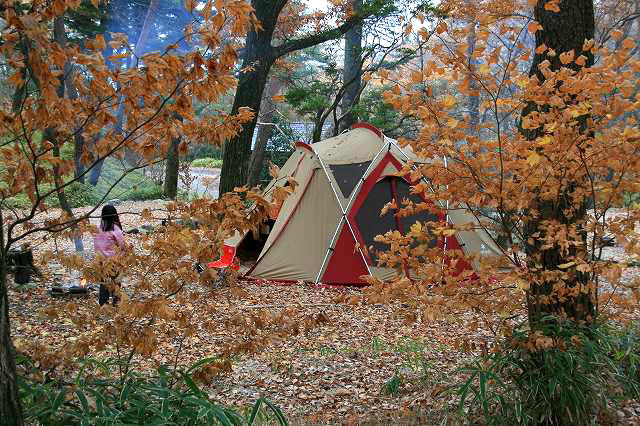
102, 395
577, 379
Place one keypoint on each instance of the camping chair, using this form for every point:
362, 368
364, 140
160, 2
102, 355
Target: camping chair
226, 262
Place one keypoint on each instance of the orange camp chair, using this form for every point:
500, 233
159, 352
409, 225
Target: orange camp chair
227, 260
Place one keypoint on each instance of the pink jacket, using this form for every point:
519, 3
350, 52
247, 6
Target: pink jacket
105, 242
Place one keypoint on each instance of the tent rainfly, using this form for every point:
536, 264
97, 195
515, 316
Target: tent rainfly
334, 211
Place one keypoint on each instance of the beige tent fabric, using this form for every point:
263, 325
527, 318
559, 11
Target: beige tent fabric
286, 170
356, 146
303, 174
474, 242
298, 253
389, 170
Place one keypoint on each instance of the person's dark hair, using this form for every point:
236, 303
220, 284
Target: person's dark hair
109, 218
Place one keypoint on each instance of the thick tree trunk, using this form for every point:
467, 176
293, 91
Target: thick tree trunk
237, 151
352, 71
264, 132
60, 37
172, 166
258, 54
79, 141
562, 31
171, 171
10, 409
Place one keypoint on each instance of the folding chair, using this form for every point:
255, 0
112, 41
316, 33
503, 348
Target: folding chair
227, 260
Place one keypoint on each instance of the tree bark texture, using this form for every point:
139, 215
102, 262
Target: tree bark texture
10, 408
60, 36
171, 171
265, 131
318, 125
562, 31
259, 54
352, 71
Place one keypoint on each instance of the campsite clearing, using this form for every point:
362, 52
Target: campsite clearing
366, 360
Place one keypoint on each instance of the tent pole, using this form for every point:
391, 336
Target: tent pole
329, 249
344, 216
446, 218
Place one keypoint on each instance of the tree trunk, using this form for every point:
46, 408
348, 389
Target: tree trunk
237, 150
50, 134
251, 85
562, 31
257, 156
473, 102
78, 167
265, 131
171, 171
10, 409
352, 71
318, 125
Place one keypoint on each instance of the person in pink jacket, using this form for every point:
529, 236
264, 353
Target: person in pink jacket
106, 244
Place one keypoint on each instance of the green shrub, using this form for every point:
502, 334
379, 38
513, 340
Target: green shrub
207, 162
147, 191
100, 396
203, 151
78, 195
596, 368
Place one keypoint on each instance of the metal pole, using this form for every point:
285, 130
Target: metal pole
344, 217
444, 245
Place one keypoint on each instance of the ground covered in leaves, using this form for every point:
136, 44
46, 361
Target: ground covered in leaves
355, 361
363, 360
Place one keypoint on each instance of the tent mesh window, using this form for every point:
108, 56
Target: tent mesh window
369, 220
370, 223
403, 192
348, 175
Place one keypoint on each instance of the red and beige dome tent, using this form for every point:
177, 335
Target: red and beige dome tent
334, 211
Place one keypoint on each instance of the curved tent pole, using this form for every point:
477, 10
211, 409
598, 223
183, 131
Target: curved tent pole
446, 218
346, 209
344, 214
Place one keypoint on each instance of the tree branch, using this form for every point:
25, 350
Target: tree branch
315, 39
